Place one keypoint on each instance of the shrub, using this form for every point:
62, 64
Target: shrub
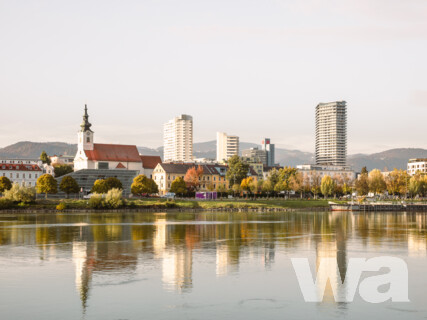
61, 206
5, 204
20, 194
95, 201
114, 199
170, 204
23, 204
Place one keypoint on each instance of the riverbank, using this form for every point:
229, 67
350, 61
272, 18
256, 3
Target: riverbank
165, 205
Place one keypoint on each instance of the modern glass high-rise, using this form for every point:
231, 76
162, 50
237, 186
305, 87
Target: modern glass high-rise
178, 139
331, 133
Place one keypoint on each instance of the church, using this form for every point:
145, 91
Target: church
92, 155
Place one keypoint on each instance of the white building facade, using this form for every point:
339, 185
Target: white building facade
24, 172
178, 139
311, 172
226, 146
92, 155
331, 134
417, 165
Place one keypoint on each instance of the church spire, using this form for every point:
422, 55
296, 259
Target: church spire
86, 124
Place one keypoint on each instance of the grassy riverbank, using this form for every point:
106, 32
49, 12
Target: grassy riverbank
178, 204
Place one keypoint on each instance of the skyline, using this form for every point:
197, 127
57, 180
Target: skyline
255, 69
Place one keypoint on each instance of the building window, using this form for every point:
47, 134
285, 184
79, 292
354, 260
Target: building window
88, 140
17, 175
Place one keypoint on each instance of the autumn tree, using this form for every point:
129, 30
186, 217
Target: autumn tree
316, 181
237, 170
46, 184
327, 186
248, 184
69, 185
143, 184
377, 184
5, 184
362, 184
396, 182
192, 178
296, 183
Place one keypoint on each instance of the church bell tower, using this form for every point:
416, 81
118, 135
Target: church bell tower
85, 134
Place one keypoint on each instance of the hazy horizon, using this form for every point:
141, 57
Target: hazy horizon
249, 68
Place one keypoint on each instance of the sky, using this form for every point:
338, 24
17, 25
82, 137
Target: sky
252, 68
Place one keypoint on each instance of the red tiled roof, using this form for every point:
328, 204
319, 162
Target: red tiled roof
120, 166
19, 167
150, 162
113, 152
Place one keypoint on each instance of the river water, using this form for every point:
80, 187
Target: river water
200, 265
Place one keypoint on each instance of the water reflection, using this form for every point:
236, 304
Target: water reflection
116, 245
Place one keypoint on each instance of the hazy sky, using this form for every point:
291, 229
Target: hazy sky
253, 68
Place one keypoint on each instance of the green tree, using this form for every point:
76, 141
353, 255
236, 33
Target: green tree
44, 157
179, 186
237, 170
142, 184
113, 183
267, 186
327, 186
62, 169
364, 171
377, 184
99, 186
5, 184
69, 185
46, 184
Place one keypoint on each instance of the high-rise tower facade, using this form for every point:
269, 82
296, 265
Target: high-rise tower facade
331, 133
178, 139
226, 146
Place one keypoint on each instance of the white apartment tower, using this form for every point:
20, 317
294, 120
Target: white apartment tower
178, 139
226, 146
331, 133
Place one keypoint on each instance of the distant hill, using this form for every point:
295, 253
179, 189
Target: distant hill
394, 158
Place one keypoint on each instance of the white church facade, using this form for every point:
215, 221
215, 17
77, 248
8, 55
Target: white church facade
92, 155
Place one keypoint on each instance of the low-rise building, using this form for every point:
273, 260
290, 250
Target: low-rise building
417, 165
213, 175
311, 171
149, 163
62, 159
24, 172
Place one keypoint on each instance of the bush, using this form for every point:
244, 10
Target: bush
20, 194
5, 203
170, 204
95, 201
61, 206
114, 198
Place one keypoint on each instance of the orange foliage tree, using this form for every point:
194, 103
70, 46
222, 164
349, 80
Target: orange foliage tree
192, 178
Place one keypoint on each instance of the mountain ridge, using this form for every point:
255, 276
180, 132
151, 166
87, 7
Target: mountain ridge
393, 158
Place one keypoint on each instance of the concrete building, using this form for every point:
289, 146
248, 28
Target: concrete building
269, 148
226, 146
331, 134
417, 165
24, 172
178, 139
254, 155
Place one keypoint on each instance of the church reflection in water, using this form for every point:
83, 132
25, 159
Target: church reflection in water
108, 244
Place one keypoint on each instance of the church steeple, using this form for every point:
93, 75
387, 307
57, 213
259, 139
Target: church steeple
85, 126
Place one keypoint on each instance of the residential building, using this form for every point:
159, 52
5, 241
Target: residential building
23, 172
331, 134
92, 155
62, 159
226, 146
178, 139
269, 148
417, 165
311, 172
149, 163
213, 175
